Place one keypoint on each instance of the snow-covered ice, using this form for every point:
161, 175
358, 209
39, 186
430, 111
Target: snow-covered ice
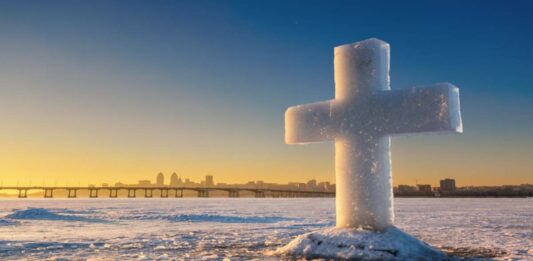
44, 214
243, 228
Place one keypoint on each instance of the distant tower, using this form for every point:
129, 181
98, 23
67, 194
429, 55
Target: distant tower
160, 180
447, 185
209, 181
174, 180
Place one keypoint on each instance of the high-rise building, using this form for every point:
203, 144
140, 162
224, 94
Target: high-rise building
209, 181
447, 185
160, 180
174, 180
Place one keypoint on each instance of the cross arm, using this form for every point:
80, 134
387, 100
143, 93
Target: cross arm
309, 123
433, 108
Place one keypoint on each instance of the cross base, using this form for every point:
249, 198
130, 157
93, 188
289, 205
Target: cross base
360, 244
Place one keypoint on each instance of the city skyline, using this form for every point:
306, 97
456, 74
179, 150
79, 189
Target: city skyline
162, 180
194, 178
178, 184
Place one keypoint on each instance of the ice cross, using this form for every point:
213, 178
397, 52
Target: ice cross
361, 119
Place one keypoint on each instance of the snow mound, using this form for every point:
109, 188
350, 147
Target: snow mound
45, 214
360, 244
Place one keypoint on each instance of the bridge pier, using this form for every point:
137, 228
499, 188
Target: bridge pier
203, 193
48, 193
131, 193
71, 193
93, 193
148, 193
23, 193
233, 193
113, 193
259, 194
178, 195
164, 193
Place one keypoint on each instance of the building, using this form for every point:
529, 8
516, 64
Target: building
160, 180
144, 183
447, 185
311, 184
424, 187
325, 186
174, 180
209, 181
406, 188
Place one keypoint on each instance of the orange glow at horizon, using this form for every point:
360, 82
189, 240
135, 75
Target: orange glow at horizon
68, 121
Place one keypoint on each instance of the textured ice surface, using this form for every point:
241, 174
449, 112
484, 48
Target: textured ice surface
141, 228
361, 118
7, 222
45, 214
210, 218
360, 244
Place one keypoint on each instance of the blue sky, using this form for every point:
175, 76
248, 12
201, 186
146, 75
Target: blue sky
221, 73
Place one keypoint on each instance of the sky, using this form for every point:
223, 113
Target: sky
107, 91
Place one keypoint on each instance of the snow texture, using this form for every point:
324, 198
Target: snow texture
44, 214
211, 218
360, 244
145, 228
7, 222
361, 119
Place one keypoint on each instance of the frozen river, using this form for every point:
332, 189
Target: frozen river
242, 228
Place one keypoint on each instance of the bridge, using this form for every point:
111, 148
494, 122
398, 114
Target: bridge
166, 191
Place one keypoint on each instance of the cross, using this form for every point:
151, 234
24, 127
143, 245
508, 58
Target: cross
360, 120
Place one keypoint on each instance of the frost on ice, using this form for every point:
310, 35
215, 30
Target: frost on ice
360, 120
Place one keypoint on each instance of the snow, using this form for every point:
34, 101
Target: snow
145, 228
7, 222
212, 218
361, 119
360, 244
44, 214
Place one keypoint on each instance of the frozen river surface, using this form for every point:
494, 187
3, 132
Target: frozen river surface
242, 229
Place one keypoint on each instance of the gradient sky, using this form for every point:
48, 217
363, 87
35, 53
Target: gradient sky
105, 91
